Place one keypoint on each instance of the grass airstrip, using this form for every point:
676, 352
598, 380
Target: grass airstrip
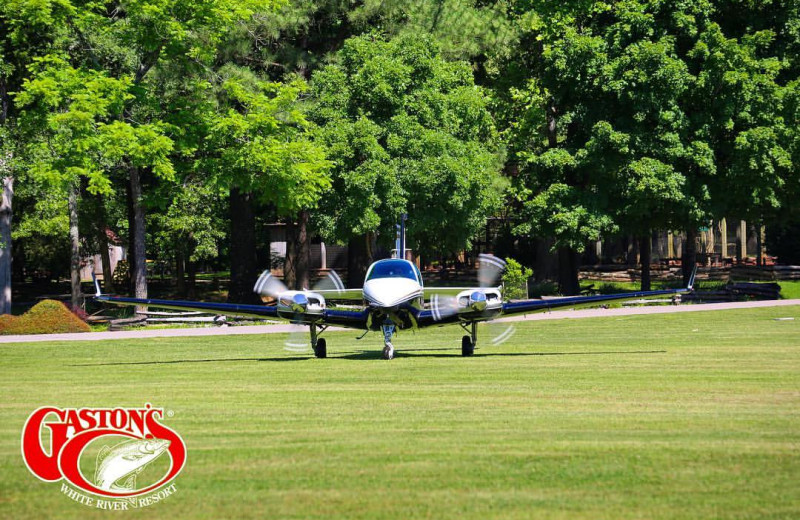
691, 415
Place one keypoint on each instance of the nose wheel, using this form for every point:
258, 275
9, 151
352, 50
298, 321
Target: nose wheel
388, 348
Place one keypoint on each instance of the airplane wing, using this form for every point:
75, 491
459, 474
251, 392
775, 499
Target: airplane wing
428, 317
356, 319
341, 294
430, 292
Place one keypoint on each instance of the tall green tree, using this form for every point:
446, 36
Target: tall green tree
70, 117
636, 116
259, 145
408, 131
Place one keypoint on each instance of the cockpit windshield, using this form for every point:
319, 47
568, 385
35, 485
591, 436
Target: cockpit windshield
394, 268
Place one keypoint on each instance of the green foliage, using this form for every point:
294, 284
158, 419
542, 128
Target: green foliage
616, 117
192, 224
122, 275
70, 117
46, 317
515, 280
642, 115
408, 132
260, 141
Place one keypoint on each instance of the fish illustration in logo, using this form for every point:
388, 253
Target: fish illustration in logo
117, 467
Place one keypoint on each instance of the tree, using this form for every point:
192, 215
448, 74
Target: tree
138, 40
70, 118
408, 132
6, 214
638, 116
260, 143
743, 124
190, 229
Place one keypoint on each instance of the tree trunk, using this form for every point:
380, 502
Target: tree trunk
568, 271
689, 259
357, 261
645, 253
552, 130
5, 244
740, 240
303, 252
138, 237
244, 269
180, 280
131, 232
759, 245
102, 240
290, 261
76, 299
567, 258
191, 279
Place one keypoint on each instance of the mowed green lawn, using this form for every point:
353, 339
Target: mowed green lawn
692, 415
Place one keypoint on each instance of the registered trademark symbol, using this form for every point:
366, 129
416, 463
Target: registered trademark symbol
170, 413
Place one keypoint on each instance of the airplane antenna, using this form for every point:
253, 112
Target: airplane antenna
402, 249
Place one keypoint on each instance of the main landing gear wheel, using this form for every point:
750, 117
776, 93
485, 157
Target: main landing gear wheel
321, 349
467, 347
388, 351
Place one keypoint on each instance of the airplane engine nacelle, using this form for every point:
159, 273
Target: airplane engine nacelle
296, 304
479, 300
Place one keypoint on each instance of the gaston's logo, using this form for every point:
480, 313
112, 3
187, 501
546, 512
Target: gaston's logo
124, 457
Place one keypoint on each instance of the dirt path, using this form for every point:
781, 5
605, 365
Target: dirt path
283, 328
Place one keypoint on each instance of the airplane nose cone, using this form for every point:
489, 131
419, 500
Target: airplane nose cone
388, 292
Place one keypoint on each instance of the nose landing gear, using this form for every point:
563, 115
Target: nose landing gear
388, 348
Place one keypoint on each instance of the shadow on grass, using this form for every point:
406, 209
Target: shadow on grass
174, 361
365, 355
377, 354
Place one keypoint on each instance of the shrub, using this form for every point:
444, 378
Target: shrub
122, 276
46, 317
515, 280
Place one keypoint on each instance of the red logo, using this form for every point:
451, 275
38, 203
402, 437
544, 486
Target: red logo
137, 454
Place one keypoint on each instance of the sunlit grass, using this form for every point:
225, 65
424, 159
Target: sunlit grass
692, 415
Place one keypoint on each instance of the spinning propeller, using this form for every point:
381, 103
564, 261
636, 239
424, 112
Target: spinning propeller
269, 285
490, 269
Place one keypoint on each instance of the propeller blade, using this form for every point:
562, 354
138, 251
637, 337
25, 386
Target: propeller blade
330, 282
443, 306
268, 285
490, 268
299, 339
500, 332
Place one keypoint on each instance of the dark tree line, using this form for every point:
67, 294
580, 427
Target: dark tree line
182, 127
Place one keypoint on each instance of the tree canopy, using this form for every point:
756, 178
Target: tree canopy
408, 132
180, 127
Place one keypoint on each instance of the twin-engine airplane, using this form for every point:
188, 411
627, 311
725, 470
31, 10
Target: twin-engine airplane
393, 298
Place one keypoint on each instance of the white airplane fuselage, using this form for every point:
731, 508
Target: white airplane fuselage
390, 287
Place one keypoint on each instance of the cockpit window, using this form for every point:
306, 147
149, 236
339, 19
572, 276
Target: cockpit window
393, 269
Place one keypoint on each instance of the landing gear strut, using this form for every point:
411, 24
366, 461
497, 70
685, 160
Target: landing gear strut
388, 348
468, 342
318, 344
